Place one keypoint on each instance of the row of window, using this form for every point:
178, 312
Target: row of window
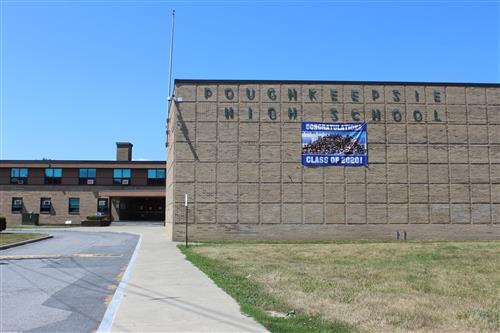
19, 176
46, 205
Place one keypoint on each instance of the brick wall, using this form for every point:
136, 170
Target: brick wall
60, 194
235, 148
59, 199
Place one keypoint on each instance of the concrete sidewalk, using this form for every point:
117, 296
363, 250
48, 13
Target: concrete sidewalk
167, 293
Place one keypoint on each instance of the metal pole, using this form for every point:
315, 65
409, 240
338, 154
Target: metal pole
186, 205
168, 88
171, 55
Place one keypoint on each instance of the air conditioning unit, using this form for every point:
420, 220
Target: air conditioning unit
46, 202
124, 181
20, 181
90, 181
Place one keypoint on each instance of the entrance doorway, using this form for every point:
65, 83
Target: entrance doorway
139, 209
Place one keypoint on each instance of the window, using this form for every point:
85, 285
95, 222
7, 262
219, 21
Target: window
45, 205
74, 205
53, 175
121, 176
19, 176
87, 176
102, 205
156, 176
17, 205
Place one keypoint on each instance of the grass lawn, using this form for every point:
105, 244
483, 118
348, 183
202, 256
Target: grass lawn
360, 286
10, 237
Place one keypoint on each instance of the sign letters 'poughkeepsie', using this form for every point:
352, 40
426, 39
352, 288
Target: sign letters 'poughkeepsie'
326, 144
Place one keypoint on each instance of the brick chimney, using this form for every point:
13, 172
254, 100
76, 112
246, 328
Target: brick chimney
124, 151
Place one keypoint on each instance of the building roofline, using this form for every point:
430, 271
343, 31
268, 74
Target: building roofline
459, 84
124, 144
80, 162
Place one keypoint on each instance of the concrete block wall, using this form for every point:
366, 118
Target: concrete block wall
235, 148
170, 176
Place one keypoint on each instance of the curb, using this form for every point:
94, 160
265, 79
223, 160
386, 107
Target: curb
8, 246
112, 308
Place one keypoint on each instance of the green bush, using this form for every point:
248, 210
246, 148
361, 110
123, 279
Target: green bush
98, 218
3, 223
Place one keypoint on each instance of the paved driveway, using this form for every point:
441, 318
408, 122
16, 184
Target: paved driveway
62, 284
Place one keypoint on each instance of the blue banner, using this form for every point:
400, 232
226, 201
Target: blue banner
325, 144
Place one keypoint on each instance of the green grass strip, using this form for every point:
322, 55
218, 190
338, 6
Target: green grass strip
7, 238
254, 301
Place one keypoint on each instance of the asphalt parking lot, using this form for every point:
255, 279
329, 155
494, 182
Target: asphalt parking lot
62, 284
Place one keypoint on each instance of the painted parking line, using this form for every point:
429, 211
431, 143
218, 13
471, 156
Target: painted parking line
112, 310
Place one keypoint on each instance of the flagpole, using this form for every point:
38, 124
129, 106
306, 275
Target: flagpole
169, 98
171, 57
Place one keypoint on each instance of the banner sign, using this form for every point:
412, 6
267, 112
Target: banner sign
325, 144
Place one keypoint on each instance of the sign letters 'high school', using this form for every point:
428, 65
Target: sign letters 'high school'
236, 148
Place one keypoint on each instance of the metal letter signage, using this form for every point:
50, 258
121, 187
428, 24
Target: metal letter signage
208, 93
272, 113
229, 93
229, 113
342, 144
334, 94
250, 94
292, 113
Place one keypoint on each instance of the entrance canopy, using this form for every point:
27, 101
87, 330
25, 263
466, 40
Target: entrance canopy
132, 194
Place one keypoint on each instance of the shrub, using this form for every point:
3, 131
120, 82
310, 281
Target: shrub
98, 217
3, 223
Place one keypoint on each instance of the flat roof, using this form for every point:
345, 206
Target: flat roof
404, 83
76, 163
124, 144
160, 192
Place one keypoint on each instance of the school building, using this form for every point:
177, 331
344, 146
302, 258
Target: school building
235, 148
61, 191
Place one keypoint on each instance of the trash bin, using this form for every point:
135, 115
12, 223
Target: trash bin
26, 218
3, 223
29, 219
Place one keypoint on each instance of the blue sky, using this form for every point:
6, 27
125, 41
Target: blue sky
77, 76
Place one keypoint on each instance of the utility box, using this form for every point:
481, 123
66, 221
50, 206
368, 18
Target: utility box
3, 223
30, 219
